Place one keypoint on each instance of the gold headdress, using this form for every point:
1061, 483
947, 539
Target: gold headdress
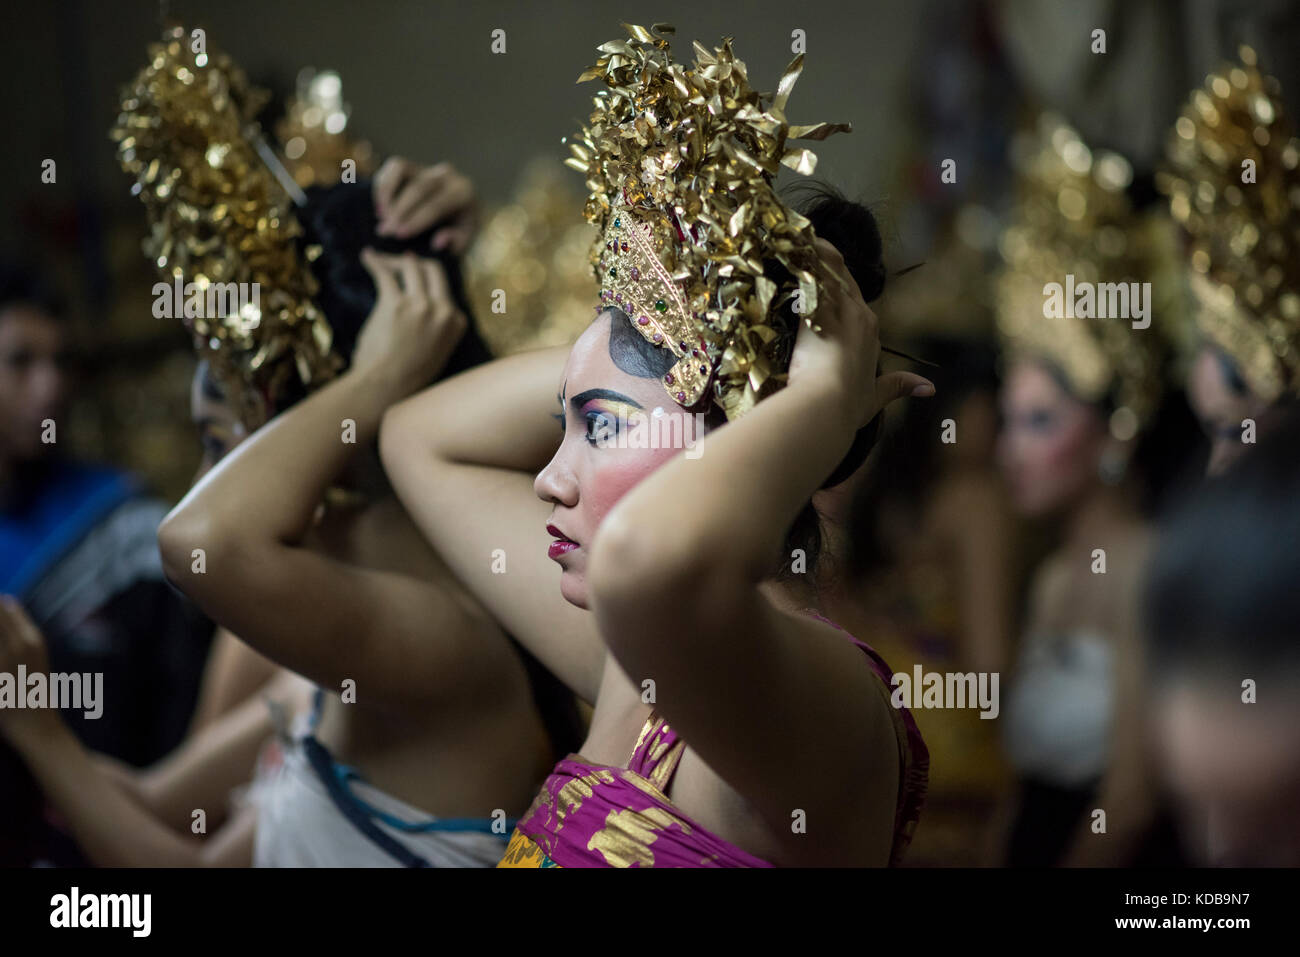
314, 134
1072, 217
217, 215
679, 163
534, 250
1234, 184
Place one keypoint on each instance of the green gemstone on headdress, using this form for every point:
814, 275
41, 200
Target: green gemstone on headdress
661, 306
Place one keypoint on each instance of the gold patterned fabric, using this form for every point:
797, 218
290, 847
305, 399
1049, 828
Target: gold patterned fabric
590, 815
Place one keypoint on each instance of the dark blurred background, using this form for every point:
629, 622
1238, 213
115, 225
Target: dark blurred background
919, 81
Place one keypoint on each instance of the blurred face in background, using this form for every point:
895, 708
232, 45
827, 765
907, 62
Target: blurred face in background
1221, 401
1234, 768
1050, 444
219, 427
33, 379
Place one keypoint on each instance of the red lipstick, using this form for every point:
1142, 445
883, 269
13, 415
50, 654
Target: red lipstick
562, 545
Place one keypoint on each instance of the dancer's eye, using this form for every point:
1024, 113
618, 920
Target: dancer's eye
1041, 420
601, 427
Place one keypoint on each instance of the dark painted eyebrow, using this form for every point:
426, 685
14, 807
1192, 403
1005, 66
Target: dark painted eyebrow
582, 398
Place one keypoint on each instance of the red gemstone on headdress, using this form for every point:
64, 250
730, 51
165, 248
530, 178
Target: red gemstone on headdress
696, 353
623, 246
636, 273
668, 377
681, 396
658, 337
643, 321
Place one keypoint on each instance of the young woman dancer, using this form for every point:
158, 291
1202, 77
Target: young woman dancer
147, 818
1088, 428
733, 725
416, 682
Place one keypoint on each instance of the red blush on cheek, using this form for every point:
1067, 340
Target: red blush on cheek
614, 478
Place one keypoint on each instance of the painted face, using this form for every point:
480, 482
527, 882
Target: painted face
1234, 771
219, 427
33, 379
1221, 407
1050, 442
618, 428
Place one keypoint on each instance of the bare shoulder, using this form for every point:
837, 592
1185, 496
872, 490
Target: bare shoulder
851, 743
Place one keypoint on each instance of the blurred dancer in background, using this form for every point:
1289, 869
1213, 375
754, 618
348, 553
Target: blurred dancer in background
420, 724
1087, 439
1233, 181
1223, 607
78, 552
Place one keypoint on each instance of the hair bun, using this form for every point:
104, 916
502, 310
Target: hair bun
852, 229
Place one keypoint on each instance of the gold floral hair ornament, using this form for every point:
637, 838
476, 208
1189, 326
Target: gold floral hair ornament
1072, 218
680, 163
217, 215
1233, 183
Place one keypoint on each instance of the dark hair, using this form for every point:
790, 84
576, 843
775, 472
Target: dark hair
21, 284
1221, 588
852, 229
341, 219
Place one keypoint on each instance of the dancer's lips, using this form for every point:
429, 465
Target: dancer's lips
562, 545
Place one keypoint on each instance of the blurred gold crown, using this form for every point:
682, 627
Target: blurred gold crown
217, 215
1233, 182
533, 253
1072, 217
679, 163
314, 135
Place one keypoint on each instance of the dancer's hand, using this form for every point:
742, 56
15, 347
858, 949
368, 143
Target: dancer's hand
415, 325
844, 355
410, 198
21, 643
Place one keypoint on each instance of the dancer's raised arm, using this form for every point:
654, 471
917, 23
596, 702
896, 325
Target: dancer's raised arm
251, 516
462, 456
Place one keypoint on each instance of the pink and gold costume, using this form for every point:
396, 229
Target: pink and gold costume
591, 815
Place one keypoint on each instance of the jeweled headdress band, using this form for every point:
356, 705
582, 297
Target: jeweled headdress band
217, 215
680, 163
1233, 183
